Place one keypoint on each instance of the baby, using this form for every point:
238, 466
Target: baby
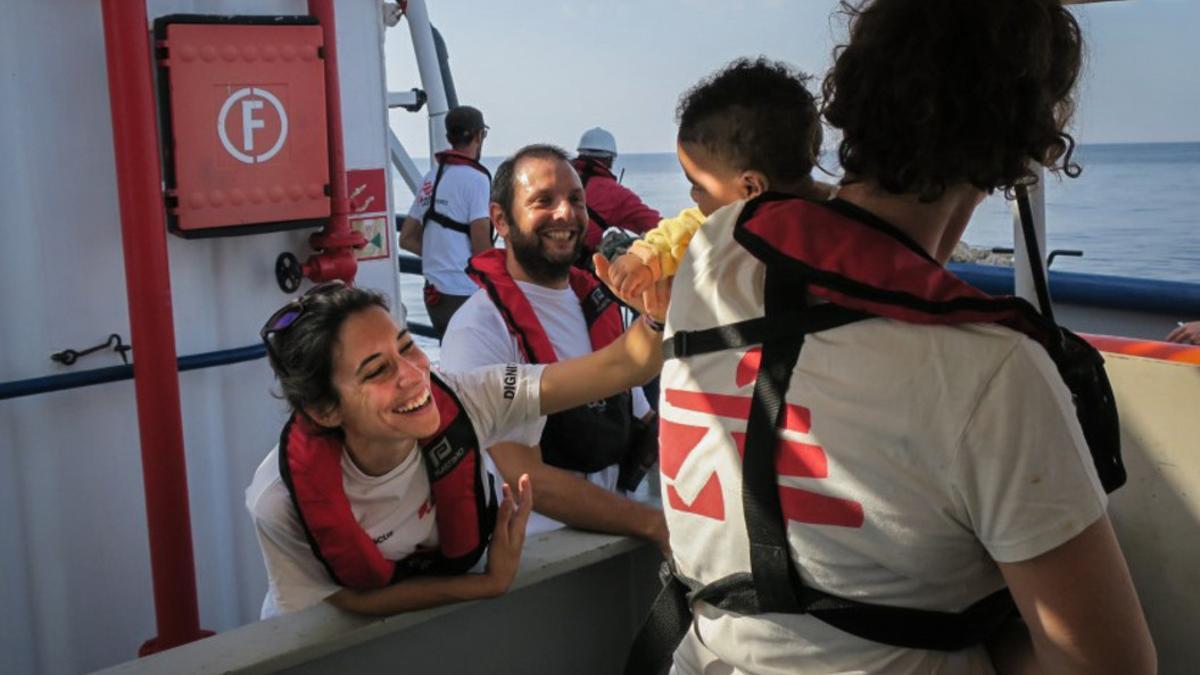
750, 128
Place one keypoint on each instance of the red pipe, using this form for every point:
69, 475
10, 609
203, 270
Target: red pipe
337, 240
148, 287
1150, 349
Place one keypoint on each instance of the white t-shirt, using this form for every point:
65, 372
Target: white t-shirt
913, 458
394, 509
463, 195
477, 336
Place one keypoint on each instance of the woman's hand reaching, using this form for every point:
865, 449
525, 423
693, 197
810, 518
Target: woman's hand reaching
504, 552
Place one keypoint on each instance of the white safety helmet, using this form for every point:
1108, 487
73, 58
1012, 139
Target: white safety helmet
597, 142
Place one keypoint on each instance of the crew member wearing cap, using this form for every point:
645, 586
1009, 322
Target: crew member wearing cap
610, 204
448, 222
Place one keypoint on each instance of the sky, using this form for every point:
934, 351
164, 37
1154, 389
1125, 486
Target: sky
546, 70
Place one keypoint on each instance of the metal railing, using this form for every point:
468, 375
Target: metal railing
222, 357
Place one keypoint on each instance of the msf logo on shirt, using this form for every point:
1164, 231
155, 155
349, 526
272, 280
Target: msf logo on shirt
426, 191
792, 458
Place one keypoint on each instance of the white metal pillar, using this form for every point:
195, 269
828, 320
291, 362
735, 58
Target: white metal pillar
431, 75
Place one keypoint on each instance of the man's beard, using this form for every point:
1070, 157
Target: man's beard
529, 250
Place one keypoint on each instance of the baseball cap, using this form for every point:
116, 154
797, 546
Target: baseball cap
464, 120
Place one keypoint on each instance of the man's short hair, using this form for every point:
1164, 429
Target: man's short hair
754, 115
503, 188
462, 123
937, 92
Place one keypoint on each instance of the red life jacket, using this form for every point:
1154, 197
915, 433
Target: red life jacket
444, 159
864, 267
858, 261
310, 465
590, 437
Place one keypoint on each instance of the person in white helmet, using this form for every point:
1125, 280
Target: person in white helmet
609, 203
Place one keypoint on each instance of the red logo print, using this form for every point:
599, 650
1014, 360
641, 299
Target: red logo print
792, 458
426, 507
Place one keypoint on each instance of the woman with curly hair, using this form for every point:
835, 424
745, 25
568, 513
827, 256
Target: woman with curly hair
887, 474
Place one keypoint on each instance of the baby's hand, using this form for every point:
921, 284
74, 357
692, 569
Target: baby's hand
629, 276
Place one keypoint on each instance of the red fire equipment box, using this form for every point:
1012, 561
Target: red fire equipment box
242, 103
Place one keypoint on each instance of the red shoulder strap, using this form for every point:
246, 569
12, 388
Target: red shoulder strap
854, 259
602, 314
488, 270
587, 168
452, 158
311, 466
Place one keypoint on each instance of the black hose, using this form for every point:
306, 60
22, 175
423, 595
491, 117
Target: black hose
443, 55
1033, 252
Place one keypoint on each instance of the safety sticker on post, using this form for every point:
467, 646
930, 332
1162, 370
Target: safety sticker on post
369, 209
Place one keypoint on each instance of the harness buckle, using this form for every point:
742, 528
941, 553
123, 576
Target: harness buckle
666, 571
680, 344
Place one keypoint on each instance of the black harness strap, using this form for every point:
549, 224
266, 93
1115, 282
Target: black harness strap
770, 559
784, 324
598, 219
774, 585
653, 649
1033, 253
433, 214
906, 627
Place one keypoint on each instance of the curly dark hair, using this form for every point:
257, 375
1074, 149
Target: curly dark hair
754, 115
929, 93
302, 354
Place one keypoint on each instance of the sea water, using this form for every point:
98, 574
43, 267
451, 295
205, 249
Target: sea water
1134, 211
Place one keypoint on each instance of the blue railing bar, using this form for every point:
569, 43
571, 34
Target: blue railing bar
1174, 298
221, 358
422, 329
87, 378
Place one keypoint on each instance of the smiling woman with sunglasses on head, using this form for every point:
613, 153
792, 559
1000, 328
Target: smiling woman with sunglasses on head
375, 498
